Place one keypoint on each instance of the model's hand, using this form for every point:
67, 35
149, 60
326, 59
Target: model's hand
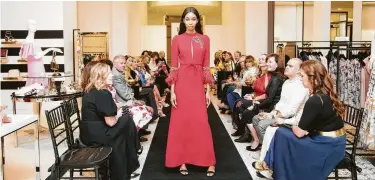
173, 99
208, 99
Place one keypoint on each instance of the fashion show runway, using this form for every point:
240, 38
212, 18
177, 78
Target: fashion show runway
229, 163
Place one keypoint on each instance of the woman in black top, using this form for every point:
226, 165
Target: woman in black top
312, 149
100, 127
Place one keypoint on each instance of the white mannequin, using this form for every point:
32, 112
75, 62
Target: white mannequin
32, 29
38, 53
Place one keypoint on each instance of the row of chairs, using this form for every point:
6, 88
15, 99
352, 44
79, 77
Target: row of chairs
63, 121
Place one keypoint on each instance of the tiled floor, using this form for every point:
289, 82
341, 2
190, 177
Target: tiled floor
20, 161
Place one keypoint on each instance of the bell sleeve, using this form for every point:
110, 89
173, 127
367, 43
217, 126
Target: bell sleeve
173, 75
207, 76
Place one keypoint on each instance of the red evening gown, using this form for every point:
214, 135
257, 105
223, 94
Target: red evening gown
189, 136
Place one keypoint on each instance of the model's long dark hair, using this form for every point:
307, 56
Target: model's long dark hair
198, 26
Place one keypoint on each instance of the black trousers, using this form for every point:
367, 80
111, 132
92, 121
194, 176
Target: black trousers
242, 109
124, 159
147, 95
221, 75
161, 84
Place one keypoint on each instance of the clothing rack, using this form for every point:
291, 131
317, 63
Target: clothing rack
336, 46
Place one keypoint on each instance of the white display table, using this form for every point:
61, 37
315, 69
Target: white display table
19, 122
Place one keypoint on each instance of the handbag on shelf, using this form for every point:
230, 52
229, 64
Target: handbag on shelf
13, 74
54, 65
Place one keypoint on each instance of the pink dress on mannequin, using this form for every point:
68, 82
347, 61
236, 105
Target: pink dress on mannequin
35, 67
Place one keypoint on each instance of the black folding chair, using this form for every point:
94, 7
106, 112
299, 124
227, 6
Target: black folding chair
74, 158
352, 120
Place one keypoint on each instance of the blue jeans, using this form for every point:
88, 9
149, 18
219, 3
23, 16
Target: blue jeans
231, 98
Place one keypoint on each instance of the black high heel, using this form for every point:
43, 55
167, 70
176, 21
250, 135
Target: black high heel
139, 152
256, 148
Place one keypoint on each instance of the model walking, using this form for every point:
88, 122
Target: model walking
189, 136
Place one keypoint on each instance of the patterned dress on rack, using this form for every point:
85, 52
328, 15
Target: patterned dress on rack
355, 88
332, 69
343, 73
367, 132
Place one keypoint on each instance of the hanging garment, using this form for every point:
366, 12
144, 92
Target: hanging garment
324, 61
355, 84
343, 74
365, 80
367, 132
333, 70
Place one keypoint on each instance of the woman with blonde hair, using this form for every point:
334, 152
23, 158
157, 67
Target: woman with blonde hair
86, 74
101, 127
312, 149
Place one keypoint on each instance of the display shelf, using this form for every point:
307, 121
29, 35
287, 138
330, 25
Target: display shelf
15, 45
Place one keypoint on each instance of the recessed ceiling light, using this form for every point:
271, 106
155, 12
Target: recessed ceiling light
339, 9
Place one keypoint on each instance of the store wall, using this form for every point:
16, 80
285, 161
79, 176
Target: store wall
288, 22
95, 16
49, 17
256, 28
368, 22
152, 42
233, 29
215, 32
137, 20
122, 20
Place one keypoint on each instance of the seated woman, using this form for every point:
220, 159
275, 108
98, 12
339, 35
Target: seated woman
229, 85
100, 127
248, 73
161, 74
318, 143
273, 80
131, 77
145, 83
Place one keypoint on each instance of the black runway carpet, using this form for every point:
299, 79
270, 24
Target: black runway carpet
229, 165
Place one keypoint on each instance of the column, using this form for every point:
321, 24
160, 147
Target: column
119, 29
322, 22
256, 28
69, 23
233, 21
357, 20
137, 19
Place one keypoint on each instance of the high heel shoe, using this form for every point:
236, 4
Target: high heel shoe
184, 171
255, 149
139, 152
210, 173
